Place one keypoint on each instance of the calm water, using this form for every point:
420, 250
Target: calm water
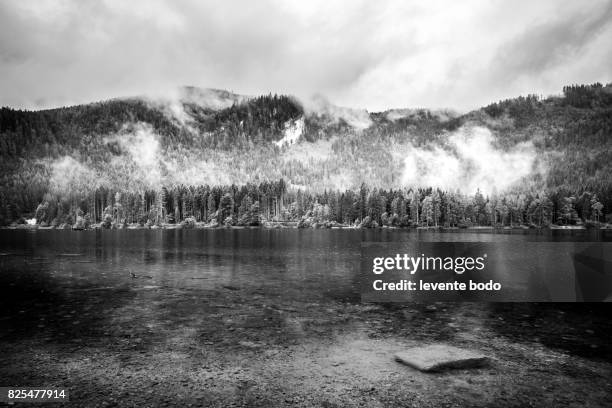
298, 264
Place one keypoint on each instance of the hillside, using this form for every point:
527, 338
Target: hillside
521, 149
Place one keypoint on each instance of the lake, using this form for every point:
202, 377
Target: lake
257, 317
296, 264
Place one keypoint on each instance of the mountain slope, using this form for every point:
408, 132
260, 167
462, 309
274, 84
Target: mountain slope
209, 137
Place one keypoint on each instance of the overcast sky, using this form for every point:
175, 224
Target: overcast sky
374, 55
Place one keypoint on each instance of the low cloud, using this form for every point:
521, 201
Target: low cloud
319, 105
144, 163
69, 177
173, 102
141, 153
468, 162
443, 115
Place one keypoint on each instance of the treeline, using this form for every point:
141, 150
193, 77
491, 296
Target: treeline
588, 96
532, 109
256, 120
251, 204
522, 109
55, 131
424, 125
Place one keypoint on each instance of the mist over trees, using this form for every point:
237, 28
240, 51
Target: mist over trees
80, 164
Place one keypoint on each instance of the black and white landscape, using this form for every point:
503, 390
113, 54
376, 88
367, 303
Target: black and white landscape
165, 244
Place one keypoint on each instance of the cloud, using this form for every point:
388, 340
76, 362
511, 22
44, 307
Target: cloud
142, 163
69, 177
470, 162
140, 142
173, 102
318, 104
359, 54
549, 43
443, 115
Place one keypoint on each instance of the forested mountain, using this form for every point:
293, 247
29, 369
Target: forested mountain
524, 160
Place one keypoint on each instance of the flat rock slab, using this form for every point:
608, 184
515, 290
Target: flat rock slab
439, 357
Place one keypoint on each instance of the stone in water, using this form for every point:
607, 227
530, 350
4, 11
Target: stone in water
440, 357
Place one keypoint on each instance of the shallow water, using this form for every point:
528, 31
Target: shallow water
104, 312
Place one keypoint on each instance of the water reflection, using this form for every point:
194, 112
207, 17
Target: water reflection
299, 263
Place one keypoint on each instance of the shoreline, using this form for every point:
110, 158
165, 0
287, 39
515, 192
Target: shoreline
294, 225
